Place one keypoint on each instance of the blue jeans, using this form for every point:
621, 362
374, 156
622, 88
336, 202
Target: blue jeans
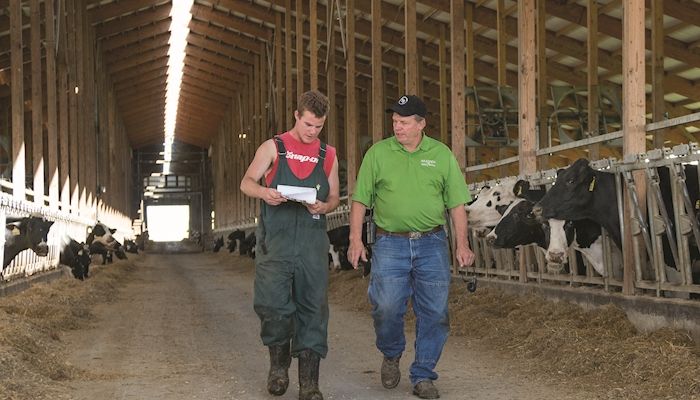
418, 269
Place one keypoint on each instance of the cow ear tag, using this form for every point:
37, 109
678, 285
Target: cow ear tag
15, 230
520, 190
592, 185
697, 204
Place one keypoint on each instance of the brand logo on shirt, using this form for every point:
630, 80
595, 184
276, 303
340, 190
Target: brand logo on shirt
428, 163
301, 158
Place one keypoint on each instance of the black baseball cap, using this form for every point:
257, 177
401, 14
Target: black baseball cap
408, 105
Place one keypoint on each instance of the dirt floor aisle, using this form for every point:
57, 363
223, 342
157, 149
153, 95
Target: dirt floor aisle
185, 329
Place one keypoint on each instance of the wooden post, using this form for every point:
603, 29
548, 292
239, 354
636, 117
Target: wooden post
457, 81
350, 99
377, 76
658, 105
527, 121
332, 120
411, 50
313, 46
17, 93
527, 90
593, 121
51, 102
542, 82
288, 98
471, 77
279, 83
37, 104
444, 136
299, 31
633, 114
502, 45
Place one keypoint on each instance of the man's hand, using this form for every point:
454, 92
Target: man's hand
465, 256
356, 251
272, 196
318, 207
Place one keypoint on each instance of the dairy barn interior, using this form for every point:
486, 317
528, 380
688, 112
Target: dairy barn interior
140, 117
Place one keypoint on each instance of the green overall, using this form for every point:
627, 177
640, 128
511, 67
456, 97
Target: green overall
291, 265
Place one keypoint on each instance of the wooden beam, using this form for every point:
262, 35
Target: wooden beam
299, 33
350, 100
527, 90
51, 105
657, 68
410, 47
313, 44
17, 88
457, 81
593, 121
37, 107
288, 98
134, 21
377, 76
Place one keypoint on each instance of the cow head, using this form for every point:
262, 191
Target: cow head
518, 226
32, 233
571, 195
484, 211
101, 233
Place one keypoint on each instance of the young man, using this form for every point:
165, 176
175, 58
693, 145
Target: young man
410, 179
291, 264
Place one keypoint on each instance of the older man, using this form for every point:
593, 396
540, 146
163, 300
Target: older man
410, 180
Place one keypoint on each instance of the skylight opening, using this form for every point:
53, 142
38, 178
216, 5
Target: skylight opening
179, 29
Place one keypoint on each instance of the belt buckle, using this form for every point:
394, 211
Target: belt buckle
415, 235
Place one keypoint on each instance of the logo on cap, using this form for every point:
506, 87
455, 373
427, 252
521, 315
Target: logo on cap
403, 100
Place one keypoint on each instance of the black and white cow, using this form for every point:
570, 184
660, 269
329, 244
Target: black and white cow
99, 248
339, 239
26, 233
235, 239
76, 256
218, 244
247, 246
103, 234
580, 192
131, 247
489, 206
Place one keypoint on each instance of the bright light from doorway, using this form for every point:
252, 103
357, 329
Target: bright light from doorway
179, 29
168, 223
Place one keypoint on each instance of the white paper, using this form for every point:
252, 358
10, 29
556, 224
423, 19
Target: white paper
298, 193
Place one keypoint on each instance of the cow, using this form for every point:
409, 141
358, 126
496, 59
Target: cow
339, 239
235, 239
218, 244
97, 247
489, 206
119, 251
580, 192
26, 233
101, 233
131, 247
247, 246
76, 256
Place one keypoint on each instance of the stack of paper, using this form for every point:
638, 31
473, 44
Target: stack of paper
298, 193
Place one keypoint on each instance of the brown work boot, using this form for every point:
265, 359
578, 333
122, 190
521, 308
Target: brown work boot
278, 377
391, 375
426, 390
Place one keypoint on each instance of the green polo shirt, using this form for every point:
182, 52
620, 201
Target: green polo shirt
410, 191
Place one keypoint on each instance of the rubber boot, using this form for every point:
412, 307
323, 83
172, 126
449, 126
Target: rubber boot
278, 377
309, 362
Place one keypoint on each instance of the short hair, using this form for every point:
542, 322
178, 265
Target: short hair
313, 101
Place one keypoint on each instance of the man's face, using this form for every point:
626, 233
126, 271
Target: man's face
407, 129
308, 126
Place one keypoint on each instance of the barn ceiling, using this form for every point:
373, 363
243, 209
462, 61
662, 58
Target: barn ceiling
133, 36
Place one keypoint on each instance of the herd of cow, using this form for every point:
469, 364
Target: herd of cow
571, 213
339, 239
32, 233
579, 207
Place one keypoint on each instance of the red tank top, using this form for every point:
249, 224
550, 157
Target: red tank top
302, 158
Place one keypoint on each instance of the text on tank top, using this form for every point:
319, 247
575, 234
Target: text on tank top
302, 158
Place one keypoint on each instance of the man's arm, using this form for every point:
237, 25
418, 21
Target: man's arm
264, 157
463, 253
333, 198
357, 248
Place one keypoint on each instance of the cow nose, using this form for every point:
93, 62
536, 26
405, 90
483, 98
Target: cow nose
555, 257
